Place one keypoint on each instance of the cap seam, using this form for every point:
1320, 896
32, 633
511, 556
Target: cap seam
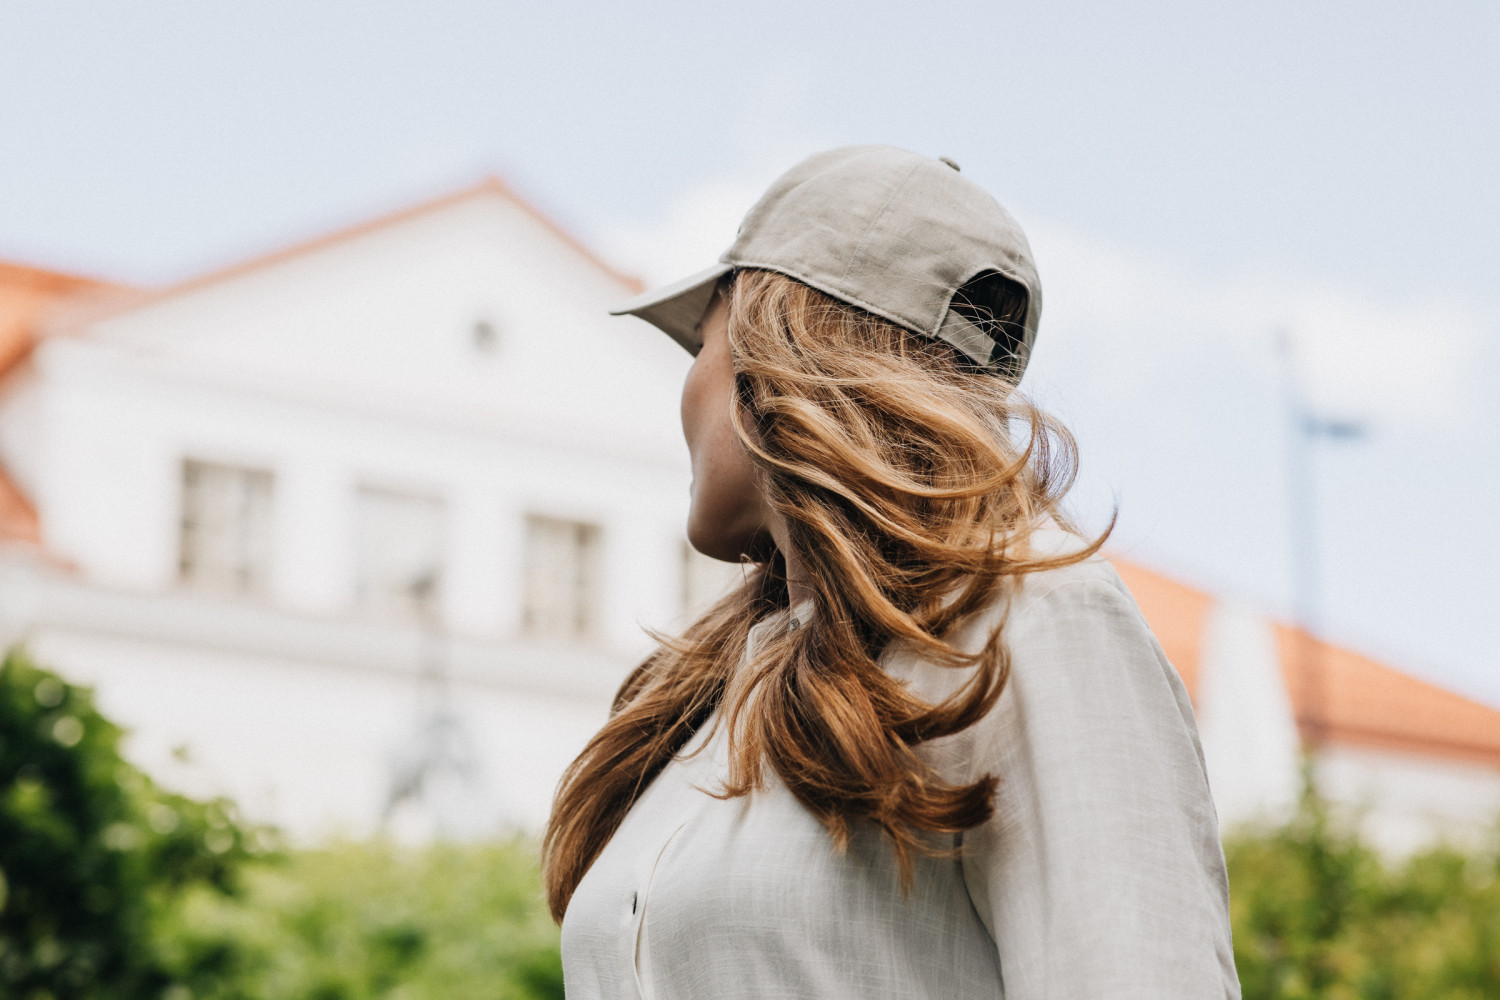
885, 207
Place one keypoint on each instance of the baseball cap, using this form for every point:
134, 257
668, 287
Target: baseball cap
904, 236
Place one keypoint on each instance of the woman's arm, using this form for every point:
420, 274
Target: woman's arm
1101, 874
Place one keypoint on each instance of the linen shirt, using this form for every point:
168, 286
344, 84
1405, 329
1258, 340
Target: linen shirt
1100, 874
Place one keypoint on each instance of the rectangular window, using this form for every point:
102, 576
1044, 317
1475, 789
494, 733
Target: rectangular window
705, 580
562, 572
225, 536
399, 553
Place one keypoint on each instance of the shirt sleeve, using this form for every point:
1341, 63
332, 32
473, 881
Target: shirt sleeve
1101, 874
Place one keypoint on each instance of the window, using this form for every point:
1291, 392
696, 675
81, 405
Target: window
486, 336
225, 537
562, 571
400, 554
705, 580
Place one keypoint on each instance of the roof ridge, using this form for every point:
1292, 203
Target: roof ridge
491, 184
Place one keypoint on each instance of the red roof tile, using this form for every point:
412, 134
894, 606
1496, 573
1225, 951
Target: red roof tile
27, 295
1176, 613
1338, 696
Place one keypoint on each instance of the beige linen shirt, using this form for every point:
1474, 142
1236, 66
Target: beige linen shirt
1100, 875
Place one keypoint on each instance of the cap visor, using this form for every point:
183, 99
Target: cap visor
676, 308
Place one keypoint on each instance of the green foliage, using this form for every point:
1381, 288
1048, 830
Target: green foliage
366, 920
1317, 914
112, 888
93, 854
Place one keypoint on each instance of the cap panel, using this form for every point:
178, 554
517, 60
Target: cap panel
911, 259
814, 218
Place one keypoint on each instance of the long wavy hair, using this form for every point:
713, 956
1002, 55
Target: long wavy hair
910, 481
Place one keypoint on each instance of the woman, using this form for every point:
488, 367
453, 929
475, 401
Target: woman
929, 748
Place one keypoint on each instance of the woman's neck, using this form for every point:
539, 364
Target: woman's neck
797, 587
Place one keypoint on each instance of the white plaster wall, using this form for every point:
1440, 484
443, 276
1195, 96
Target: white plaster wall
386, 318
1405, 801
23, 445
301, 718
310, 746
1250, 741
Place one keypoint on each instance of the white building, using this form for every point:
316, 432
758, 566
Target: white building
404, 492
371, 527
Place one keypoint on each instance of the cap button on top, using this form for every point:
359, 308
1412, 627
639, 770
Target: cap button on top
944, 159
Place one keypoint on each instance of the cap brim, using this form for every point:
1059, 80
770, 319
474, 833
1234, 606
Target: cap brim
676, 308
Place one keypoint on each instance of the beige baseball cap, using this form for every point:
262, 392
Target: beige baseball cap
902, 235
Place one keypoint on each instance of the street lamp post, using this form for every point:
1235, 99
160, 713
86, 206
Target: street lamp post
1305, 428
440, 747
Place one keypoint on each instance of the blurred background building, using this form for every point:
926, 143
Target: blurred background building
365, 534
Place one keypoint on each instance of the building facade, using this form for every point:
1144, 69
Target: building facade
372, 522
366, 533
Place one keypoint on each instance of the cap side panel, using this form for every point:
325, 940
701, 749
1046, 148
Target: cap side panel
843, 295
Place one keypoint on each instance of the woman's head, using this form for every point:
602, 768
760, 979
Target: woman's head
779, 356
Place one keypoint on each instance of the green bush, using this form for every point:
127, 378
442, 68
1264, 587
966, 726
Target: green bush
113, 889
93, 855
372, 920
1317, 914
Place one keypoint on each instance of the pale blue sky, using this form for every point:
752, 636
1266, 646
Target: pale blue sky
1193, 174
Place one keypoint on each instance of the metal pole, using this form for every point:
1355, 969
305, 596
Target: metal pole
1302, 532
1304, 429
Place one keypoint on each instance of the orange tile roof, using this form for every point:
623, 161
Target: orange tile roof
1338, 696
27, 295
18, 520
1176, 613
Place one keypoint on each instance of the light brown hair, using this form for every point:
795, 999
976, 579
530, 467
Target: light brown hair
910, 481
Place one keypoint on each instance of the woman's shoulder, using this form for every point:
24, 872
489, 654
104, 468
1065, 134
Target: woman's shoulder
1069, 586
1076, 621
1065, 597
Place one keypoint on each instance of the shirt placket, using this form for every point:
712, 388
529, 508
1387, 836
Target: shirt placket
639, 898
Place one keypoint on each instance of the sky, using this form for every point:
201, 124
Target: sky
1200, 181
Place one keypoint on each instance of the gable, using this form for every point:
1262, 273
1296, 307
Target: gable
474, 307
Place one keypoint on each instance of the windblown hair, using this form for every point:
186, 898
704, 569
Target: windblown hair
910, 481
